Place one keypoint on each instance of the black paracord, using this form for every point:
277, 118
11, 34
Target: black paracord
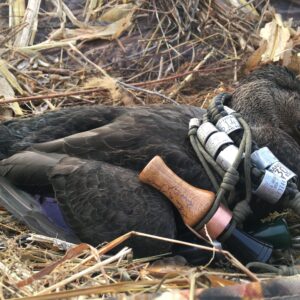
244, 140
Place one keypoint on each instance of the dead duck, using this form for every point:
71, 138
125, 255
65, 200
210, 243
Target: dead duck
88, 158
94, 174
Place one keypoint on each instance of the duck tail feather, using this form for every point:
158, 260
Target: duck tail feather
29, 211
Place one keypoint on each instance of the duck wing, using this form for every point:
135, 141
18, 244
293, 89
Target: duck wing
28, 210
19, 134
122, 136
98, 201
102, 201
133, 138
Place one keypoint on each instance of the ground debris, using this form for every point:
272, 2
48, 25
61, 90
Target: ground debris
63, 53
145, 45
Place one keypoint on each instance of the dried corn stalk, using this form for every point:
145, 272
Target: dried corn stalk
8, 83
27, 34
16, 12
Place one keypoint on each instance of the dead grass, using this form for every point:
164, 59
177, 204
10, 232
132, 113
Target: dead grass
37, 265
150, 49
61, 54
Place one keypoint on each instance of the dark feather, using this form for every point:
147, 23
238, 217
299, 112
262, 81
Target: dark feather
89, 157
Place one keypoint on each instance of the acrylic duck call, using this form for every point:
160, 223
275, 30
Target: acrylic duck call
194, 203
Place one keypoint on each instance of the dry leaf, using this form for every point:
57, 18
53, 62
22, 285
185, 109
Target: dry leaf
110, 32
112, 86
121, 25
277, 35
168, 267
278, 41
167, 271
117, 12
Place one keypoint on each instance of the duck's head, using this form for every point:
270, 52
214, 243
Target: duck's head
270, 96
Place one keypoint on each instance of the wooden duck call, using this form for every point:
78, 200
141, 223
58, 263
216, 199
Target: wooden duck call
194, 203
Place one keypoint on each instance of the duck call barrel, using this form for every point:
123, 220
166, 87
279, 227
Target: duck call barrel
194, 203
184, 196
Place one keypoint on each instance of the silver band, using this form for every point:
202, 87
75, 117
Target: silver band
229, 110
204, 131
227, 157
194, 122
228, 124
282, 171
271, 188
215, 141
263, 158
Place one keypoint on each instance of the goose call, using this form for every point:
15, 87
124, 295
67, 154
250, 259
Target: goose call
194, 203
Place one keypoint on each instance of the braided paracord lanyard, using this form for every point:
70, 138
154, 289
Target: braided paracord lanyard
278, 270
290, 196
